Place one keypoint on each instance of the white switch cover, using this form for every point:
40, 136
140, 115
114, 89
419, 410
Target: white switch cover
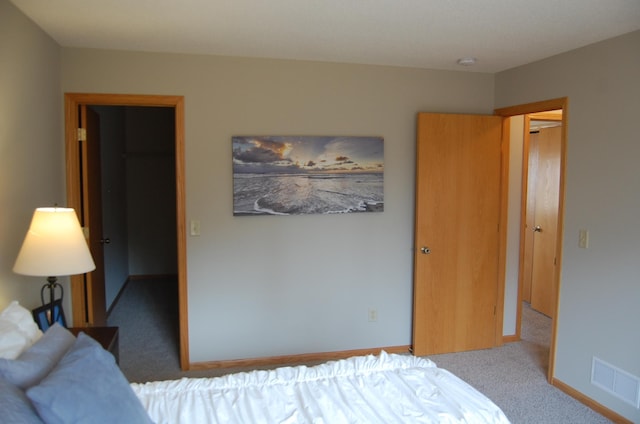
195, 227
583, 239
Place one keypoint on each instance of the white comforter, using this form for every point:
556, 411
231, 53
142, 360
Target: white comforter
365, 389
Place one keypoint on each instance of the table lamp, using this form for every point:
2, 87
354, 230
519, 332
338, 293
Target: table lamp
54, 246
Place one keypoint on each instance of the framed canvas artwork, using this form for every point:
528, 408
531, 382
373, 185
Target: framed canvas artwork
288, 175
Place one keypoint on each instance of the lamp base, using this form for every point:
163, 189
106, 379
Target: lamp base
52, 285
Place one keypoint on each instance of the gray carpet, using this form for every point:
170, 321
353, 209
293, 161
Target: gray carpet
513, 376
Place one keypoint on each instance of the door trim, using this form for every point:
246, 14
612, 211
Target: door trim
73, 177
524, 109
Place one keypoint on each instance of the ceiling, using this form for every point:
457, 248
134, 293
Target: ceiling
433, 34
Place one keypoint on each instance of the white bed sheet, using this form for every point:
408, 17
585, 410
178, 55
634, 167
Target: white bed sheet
370, 389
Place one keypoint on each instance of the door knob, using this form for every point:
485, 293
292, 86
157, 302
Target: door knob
105, 240
425, 250
537, 229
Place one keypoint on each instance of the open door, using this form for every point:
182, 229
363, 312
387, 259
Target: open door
457, 252
96, 314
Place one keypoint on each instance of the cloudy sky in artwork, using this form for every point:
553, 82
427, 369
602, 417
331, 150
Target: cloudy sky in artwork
287, 154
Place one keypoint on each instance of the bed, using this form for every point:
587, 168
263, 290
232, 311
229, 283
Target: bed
56, 377
386, 388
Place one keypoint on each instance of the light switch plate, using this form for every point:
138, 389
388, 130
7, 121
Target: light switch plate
195, 227
583, 239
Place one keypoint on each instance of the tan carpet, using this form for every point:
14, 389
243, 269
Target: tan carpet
513, 375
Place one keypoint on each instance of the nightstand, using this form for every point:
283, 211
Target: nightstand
106, 336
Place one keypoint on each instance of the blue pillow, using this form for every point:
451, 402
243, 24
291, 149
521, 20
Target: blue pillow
87, 387
36, 362
15, 406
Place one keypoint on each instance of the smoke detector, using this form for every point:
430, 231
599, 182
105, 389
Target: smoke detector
466, 61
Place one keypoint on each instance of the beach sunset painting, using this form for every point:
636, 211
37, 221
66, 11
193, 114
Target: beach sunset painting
287, 175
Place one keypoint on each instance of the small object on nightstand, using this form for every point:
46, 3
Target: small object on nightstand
106, 336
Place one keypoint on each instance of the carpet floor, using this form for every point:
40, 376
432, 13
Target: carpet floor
513, 375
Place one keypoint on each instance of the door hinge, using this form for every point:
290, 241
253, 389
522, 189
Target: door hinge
82, 134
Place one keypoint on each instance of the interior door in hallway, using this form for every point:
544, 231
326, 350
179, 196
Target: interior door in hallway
544, 168
456, 257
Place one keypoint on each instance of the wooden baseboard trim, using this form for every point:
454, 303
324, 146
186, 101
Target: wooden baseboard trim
601, 409
510, 338
292, 359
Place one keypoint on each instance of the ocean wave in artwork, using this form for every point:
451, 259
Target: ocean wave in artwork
260, 194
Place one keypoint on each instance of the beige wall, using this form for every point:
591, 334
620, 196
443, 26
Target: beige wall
31, 147
600, 289
269, 285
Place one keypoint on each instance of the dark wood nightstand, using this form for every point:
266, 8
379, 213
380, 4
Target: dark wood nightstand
106, 336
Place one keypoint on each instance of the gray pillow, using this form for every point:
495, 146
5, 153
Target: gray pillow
15, 406
87, 387
36, 362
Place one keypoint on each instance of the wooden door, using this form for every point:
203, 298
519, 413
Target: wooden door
545, 219
92, 215
457, 240
526, 269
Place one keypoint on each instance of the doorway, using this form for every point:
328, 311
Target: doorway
430, 299
559, 105
87, 307
137, 158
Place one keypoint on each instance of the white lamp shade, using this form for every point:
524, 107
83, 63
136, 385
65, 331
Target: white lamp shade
54, 245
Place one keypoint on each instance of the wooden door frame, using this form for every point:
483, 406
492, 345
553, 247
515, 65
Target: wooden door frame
524, 109
74, 199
